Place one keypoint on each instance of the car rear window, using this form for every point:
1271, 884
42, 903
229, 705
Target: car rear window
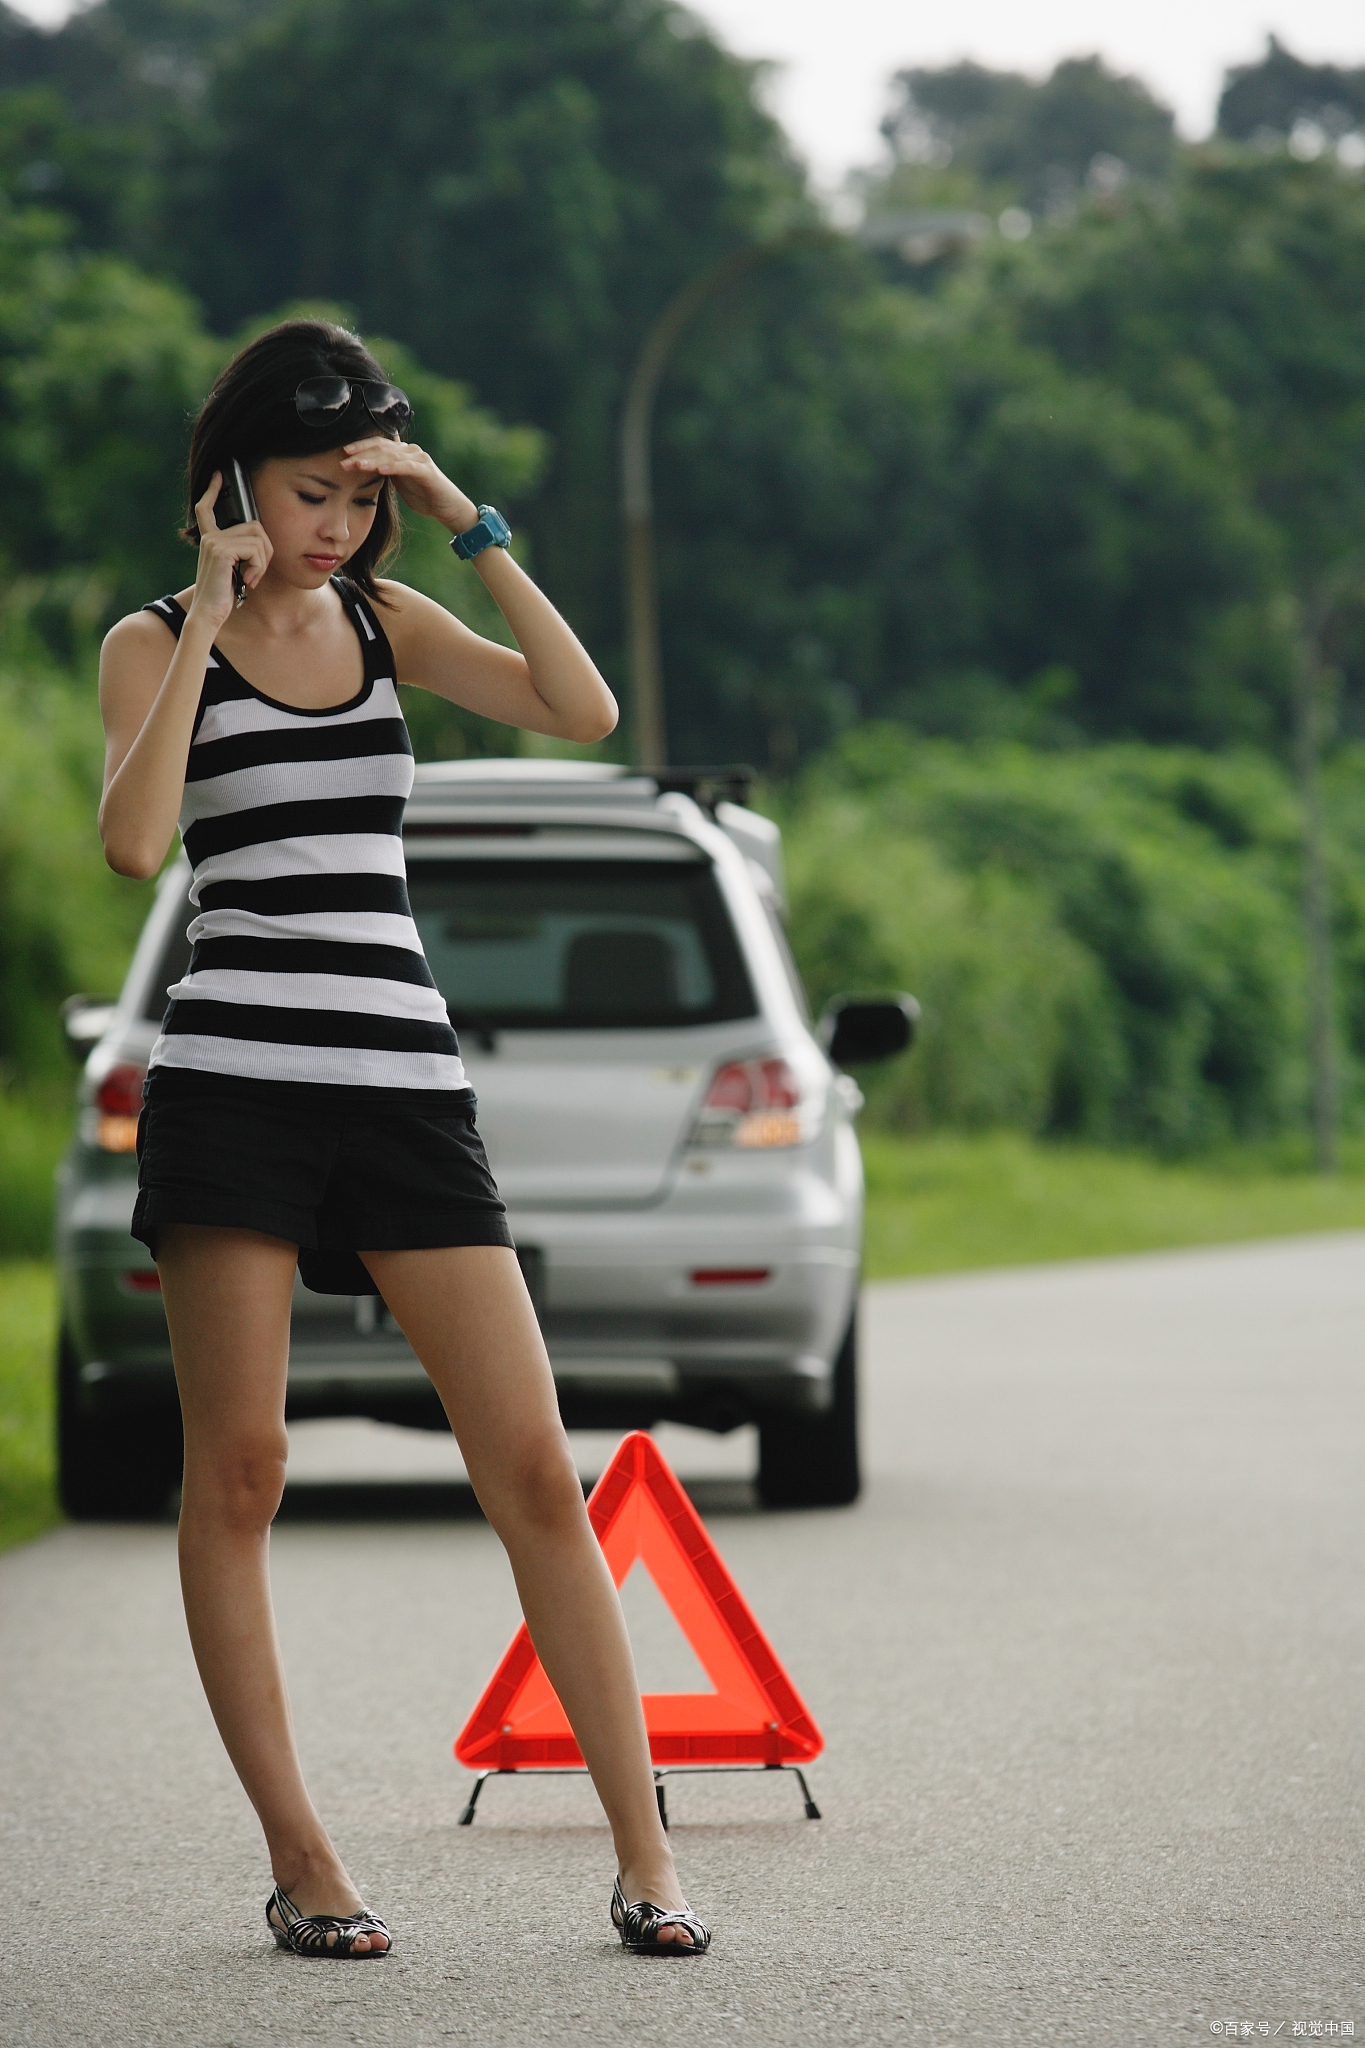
579, 944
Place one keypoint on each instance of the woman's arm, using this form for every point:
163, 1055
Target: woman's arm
547, 683
149, 709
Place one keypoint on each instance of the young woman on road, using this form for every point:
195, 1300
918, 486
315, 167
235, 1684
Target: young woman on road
305, 1101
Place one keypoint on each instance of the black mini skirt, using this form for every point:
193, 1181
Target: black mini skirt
334, 1170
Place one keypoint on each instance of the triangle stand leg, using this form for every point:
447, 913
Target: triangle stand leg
660, 1773
467, 1812
812, 1810
732, 1770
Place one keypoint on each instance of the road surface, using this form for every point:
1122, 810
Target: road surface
1089, 1658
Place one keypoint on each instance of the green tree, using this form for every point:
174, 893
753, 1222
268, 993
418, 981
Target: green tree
1063, 494
1270, 99
514, 195
1002, 136
1234, 308
101, 370
954, 530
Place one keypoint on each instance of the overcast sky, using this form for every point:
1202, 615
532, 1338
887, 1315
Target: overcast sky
838, 54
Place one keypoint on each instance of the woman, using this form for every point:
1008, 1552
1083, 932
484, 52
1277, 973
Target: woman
305, 1103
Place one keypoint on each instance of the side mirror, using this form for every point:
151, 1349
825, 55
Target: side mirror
85, 1020
856, 1031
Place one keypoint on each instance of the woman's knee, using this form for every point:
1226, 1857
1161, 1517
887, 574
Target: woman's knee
237, 1481
537, 1491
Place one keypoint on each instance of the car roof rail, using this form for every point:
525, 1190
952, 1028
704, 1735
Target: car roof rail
495, 778
707, 787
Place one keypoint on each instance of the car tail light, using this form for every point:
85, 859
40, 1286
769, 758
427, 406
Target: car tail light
118, 1100
142, 1280
756, 1104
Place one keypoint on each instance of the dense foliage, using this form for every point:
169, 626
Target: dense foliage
66, 922
1106, 944
1070, 487
997, 556
100, 367
514, 193
1269, 100
1038, 145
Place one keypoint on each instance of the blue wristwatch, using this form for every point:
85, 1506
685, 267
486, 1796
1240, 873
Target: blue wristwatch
491, 531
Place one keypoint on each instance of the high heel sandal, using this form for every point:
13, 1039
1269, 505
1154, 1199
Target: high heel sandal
305, 1934
638, 1925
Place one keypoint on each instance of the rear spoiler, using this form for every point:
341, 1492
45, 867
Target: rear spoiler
723, 793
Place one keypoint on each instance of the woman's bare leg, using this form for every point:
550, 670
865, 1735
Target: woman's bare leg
227, 1295
466, 1313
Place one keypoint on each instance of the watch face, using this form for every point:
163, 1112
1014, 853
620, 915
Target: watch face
490, 531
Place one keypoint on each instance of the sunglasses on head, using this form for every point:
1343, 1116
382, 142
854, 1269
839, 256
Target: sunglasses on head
319, 401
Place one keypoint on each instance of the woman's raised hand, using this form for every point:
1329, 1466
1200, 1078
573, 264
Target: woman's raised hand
421, 485
220, 550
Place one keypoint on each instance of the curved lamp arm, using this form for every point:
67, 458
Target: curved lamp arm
649, 743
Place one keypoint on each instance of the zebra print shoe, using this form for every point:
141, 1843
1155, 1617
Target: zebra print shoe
638, 1926
306, 1934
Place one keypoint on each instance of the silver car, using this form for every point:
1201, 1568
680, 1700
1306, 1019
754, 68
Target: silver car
672, 1135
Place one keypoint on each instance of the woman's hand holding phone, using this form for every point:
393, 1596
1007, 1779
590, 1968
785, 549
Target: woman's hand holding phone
220, 551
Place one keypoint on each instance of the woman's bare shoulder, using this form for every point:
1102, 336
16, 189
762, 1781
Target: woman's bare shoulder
413, 621
401, 600
140, 638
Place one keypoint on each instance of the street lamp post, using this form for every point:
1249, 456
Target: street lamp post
1309, 723
649, 737
1311, 719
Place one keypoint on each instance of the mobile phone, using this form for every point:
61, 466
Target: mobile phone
235, 507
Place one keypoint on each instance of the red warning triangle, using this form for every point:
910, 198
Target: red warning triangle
754, 1716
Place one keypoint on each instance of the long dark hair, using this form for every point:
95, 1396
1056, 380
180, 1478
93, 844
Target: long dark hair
249, 415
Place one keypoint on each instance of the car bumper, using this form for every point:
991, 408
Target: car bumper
717, 1304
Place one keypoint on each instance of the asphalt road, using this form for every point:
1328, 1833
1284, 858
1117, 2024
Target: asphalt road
1089, 1658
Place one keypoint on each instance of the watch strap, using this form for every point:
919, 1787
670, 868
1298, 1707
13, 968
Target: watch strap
490, 530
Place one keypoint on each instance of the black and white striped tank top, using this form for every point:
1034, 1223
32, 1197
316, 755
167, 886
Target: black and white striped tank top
306, 963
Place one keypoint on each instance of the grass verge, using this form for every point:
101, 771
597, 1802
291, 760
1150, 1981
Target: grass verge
28, 1324
945, 1204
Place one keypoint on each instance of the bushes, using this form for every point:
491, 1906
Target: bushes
33, 1135
1007, 993
1106, 943
66, 922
